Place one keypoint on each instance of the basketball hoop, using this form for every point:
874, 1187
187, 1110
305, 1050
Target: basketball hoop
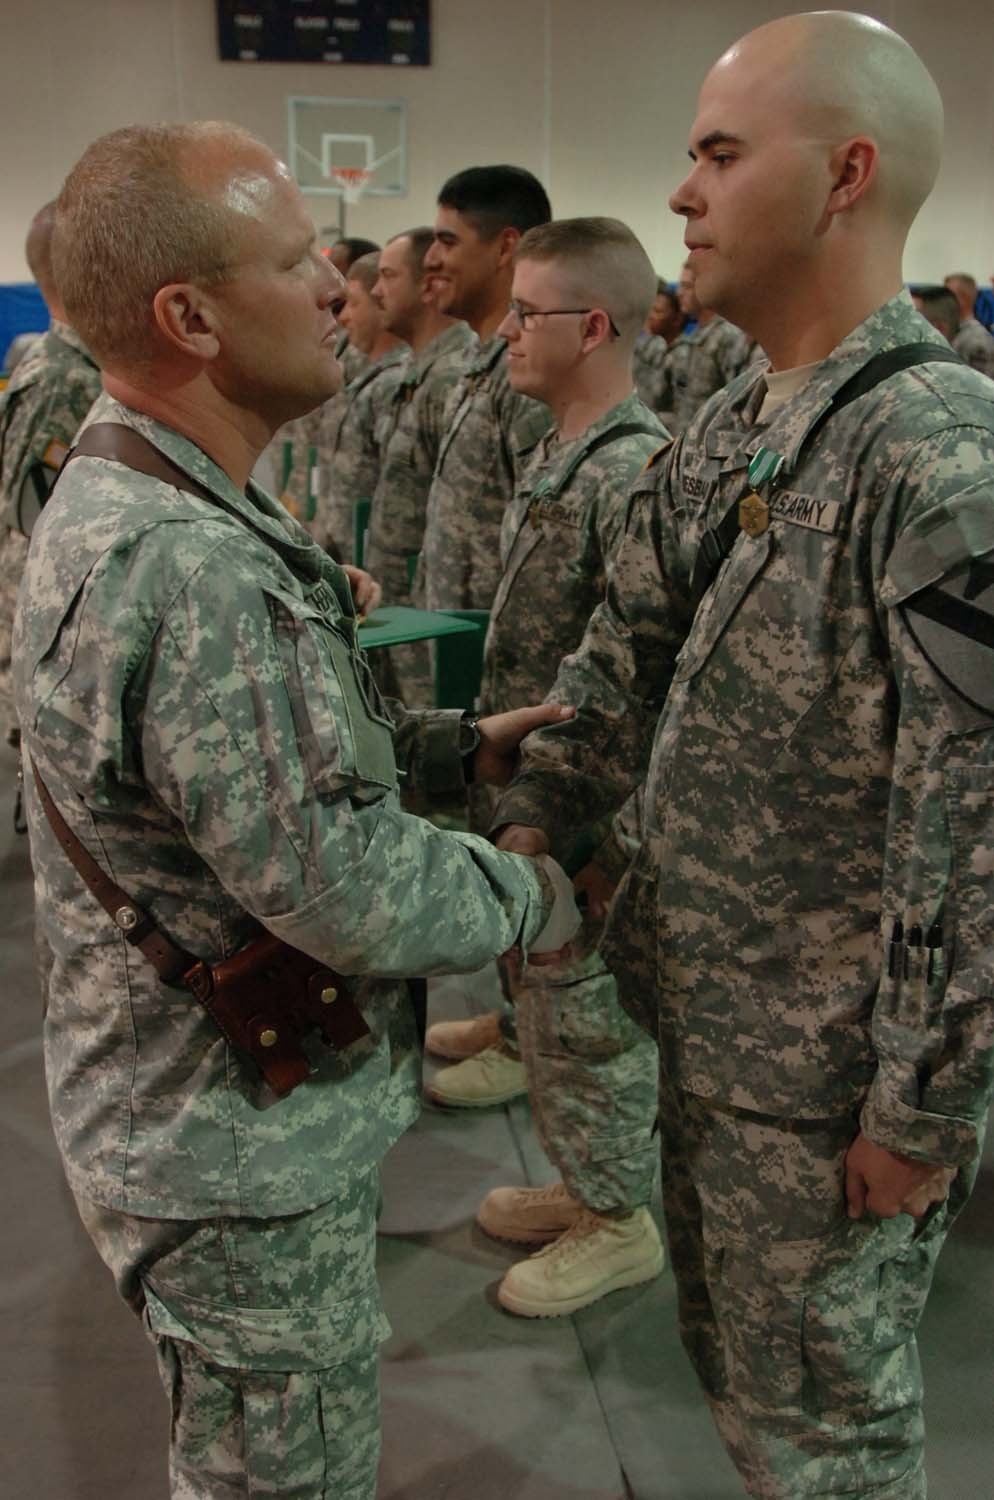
352, 181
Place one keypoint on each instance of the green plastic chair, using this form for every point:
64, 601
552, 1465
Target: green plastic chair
459, 661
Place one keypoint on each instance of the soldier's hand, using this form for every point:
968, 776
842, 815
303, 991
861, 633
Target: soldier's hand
598, 889
884, 1183
496, 757
518, 838
366, 592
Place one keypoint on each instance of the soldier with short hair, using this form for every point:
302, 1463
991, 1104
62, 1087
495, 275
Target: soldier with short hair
794, 660
439, 345
702, 361
972, 341
49, 394
482, 214
230, 889
663, 325
940, 308
581, 290
353, 431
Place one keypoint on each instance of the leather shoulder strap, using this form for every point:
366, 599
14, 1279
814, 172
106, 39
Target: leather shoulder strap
123, 445
718, 541
136, 925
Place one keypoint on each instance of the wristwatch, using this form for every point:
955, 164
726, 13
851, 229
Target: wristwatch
469, 741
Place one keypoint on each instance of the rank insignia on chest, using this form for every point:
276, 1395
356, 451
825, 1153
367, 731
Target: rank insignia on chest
754, 515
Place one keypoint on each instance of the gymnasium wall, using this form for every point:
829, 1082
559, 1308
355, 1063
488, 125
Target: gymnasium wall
594, 97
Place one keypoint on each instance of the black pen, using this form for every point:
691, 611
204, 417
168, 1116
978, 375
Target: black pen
933, 942
896, 939
914, 941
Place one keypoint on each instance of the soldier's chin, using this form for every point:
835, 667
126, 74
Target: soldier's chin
336, 377
519, 381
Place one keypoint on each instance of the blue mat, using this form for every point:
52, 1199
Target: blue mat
22, 310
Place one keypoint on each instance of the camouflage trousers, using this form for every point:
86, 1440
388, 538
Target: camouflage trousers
800, 1322
13, 552
266, 1333
592, 1079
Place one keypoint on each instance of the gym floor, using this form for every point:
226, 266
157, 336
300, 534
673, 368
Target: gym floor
476, 1403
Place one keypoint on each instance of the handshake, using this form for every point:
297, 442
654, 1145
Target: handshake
495, 761
591, 884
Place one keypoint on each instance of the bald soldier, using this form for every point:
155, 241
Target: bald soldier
203, 726
48, 396
799, 624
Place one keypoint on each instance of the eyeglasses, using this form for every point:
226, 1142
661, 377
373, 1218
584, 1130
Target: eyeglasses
522, 314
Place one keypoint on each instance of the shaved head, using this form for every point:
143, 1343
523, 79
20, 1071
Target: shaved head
836, 75
817, 140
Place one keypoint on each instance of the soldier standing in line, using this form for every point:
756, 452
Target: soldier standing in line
49, 394
289, 463
580, 293
972, 341
799, 623
352, 433
196, 711
701, 362
482, 214
662, 326
439, 348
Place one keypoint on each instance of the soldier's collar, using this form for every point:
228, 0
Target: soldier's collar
255, 507
488, 355
68, 335
892, 324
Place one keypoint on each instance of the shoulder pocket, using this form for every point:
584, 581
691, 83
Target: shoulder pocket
343, 729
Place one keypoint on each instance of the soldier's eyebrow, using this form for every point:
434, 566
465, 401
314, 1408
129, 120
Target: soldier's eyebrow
715, 138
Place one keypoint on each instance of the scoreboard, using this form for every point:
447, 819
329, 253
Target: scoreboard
392, 33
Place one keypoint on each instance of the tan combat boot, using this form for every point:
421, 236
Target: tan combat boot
457, 1040
595, 1256
528, 1216
493, 1076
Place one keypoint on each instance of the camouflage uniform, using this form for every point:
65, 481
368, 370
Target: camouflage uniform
397, 522
479, 461
697, 365
592, 1073
191, 691
648, 368
351, 438
292, 459
974, 344
822, 766
294, 454
49, 394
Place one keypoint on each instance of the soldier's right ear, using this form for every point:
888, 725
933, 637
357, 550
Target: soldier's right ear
185, 318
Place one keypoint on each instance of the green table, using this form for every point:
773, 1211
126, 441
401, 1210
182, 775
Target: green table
395, 625
458, 653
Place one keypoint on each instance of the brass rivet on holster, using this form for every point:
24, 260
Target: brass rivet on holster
268, 1038
328, 995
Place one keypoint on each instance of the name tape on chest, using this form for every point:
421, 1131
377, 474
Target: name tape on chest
805, 510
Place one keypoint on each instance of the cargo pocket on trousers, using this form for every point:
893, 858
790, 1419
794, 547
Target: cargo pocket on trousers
797, 1321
